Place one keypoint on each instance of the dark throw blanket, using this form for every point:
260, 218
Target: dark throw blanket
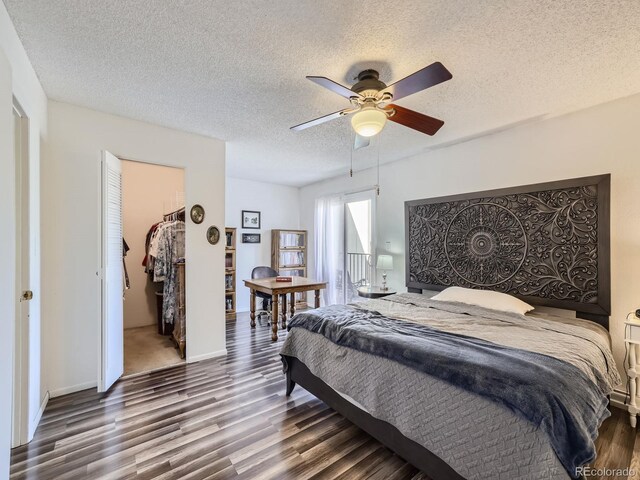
552, 394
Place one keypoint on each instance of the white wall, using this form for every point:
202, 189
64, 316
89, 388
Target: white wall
602, 139
70, 212
17, 77
7, 275
279, 208
148, 192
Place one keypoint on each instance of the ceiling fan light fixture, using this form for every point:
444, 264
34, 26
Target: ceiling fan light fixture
369, 121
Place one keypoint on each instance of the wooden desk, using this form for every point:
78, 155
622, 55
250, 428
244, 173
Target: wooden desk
278, 289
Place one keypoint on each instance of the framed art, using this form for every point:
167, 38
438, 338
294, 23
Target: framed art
197, 214
250, 219
250, 238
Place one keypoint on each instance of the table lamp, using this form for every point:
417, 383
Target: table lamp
385, 262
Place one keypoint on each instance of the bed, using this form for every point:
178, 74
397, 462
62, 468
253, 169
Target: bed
466, 391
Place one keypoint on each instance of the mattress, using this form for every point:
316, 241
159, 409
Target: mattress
475, 436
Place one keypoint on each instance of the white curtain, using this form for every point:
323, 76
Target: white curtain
329, 247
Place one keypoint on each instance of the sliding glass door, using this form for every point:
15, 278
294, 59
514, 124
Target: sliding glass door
359, 241
345, 236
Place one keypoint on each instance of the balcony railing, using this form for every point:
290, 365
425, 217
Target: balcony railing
360, 269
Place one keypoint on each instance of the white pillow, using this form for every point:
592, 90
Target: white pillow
484, 298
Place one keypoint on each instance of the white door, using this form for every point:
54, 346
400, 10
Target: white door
21, 358
112, 361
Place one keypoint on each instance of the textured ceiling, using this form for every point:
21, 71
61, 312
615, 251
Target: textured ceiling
235, 70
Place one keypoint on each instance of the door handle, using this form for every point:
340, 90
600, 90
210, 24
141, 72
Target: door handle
26, 295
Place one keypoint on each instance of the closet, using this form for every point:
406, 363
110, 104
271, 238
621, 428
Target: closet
154, 266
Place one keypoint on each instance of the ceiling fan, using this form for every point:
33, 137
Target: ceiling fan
371, 102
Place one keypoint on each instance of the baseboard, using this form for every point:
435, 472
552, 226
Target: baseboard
153, 370
128, 327
618, 398
36, 421
58, 392
206, 356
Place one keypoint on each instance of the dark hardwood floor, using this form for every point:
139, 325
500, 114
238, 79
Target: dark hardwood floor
226, 418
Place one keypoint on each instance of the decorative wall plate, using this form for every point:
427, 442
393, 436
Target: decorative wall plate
213, 235
197, 214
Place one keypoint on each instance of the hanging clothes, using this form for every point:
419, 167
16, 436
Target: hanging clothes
125, 249
167, 248
147, 261
150, 251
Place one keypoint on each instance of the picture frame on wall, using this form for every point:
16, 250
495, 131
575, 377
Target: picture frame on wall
250, 219
250, 238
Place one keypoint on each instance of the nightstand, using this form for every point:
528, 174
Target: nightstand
374, 292
632, 342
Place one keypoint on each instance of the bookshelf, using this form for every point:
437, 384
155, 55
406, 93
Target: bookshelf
289, 257
230, 272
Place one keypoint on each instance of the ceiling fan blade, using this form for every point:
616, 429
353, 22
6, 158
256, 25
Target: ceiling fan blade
319, 120
427, 77
417, 121
360, 142
334, 87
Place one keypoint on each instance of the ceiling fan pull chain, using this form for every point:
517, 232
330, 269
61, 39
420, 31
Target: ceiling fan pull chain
351, 150
378, 179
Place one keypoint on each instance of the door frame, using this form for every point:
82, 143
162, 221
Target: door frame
358, 196
101, 239
20, 397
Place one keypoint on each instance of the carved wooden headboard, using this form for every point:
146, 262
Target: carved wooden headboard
547, 244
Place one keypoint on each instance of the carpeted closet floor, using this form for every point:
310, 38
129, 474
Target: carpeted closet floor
145, 350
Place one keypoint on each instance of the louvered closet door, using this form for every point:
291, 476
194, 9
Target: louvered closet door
112, 273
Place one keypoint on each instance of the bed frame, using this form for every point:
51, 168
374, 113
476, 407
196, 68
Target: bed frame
414, 453
459, 240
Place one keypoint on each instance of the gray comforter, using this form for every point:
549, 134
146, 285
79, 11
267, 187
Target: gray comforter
553, 373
